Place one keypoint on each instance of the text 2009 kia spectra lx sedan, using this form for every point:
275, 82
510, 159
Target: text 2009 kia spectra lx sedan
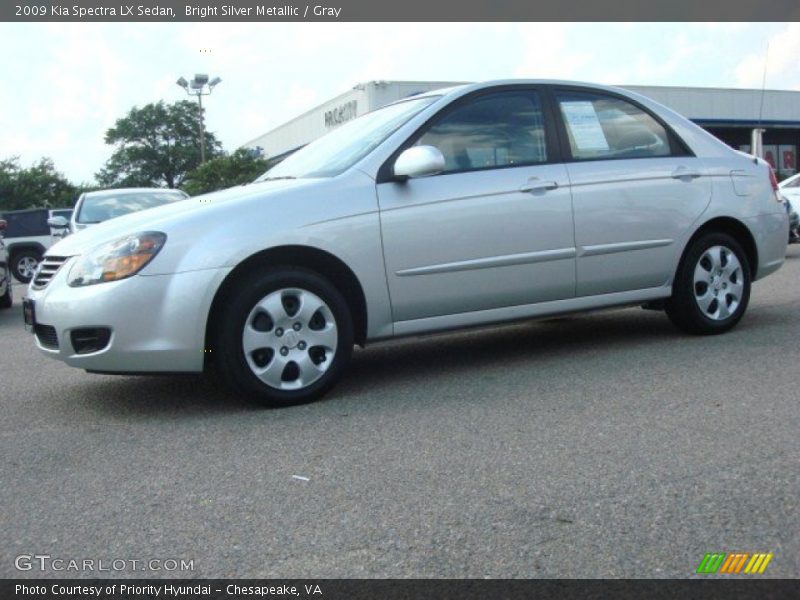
478, 204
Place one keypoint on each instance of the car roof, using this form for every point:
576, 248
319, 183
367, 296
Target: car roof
470, 87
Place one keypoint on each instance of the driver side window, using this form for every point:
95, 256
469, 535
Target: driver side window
505, 129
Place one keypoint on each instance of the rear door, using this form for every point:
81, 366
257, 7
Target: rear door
636, 190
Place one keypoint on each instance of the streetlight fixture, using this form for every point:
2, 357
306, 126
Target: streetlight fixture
200, 86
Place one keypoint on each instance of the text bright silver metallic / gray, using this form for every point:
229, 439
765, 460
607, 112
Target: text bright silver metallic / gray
473, 205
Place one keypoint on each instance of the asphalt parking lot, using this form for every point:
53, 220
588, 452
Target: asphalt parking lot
605, 445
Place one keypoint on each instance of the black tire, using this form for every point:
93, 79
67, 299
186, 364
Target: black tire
683, 308
19, 256
227, 345
6, 300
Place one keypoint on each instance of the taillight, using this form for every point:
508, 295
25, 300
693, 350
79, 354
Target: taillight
773, 180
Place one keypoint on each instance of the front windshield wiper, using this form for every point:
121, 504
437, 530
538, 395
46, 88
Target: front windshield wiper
277, 178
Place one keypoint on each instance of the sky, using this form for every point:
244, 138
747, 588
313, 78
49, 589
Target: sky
64, 84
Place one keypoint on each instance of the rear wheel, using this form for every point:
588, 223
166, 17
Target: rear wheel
284, 336
712, 287
24, 263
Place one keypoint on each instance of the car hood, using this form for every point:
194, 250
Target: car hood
161, 218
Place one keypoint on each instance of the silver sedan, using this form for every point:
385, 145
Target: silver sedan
473, 205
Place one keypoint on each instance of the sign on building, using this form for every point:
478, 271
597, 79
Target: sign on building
341, 114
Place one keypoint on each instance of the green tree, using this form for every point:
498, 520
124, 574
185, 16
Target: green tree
8, 174
38, 186
243, 166
156, 145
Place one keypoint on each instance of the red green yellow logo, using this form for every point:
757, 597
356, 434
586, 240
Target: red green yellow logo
734, 562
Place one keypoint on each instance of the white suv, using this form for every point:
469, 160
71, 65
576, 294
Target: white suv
27, 237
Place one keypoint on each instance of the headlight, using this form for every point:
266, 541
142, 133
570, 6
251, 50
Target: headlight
116, 260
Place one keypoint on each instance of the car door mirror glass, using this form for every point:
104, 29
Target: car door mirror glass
419, 161
58, 222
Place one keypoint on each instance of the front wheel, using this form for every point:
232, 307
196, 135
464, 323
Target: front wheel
283, 336
712, 286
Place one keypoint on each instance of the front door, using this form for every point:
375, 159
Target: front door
495, 228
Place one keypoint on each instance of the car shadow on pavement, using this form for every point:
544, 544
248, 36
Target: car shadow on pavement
491, 350
565, 340
159, 395
506, 347
382, 366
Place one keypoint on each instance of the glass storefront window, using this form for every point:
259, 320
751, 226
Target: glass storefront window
787, 159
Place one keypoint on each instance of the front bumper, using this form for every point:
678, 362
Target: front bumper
157, 322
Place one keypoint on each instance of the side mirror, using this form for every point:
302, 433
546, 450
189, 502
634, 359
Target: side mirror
58, 222
419, 161
3, 224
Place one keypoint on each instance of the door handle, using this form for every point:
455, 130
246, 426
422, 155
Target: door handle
537, 185
684, 173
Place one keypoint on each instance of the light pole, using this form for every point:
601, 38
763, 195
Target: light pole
200, 86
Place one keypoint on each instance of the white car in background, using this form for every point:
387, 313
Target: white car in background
99, 206
790, 190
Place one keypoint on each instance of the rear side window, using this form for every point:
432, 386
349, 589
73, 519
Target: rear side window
605, 127
505, 129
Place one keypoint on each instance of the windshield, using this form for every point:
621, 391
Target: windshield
99, 208
343, 147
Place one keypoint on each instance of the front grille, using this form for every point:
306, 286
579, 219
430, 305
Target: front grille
49, 267
47, 336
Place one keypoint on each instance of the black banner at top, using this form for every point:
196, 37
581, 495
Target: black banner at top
388, 10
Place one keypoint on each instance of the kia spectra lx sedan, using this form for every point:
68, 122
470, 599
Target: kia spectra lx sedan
473, 205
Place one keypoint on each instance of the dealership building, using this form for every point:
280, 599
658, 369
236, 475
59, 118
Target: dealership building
729, 114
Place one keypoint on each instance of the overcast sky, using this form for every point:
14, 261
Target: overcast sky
64, 84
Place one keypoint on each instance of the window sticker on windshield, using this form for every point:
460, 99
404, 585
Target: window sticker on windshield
584, 125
